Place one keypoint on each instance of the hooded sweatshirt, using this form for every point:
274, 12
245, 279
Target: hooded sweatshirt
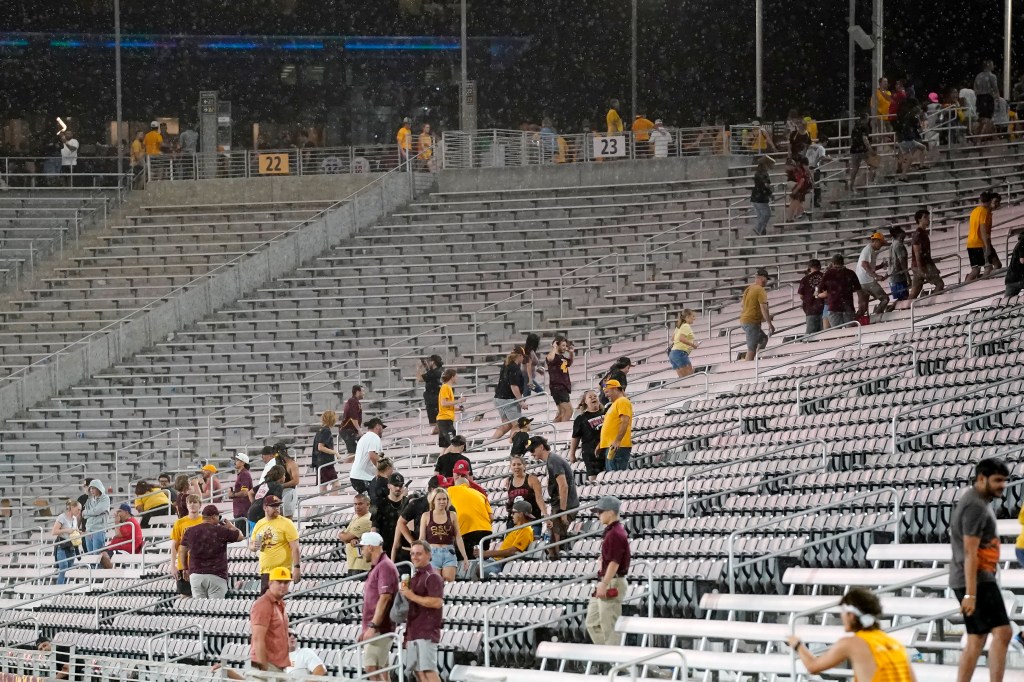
97, 509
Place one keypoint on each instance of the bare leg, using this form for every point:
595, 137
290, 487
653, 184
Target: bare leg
997, 652
105, 561
448, 573
969, 658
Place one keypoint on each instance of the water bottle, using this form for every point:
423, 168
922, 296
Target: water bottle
545, 537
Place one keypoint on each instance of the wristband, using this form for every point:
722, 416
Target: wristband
969, 596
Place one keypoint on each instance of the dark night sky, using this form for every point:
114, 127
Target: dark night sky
696, 56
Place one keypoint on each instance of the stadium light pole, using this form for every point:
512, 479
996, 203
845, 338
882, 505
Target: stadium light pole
117, 86
1007, 32
758, 57
463, 68
851, 54
632, 58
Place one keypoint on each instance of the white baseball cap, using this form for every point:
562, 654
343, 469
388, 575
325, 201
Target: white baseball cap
242, 457
154, 124
371, 539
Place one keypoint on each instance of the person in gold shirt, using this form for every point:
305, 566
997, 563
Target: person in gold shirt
612, 118
874, 655
642, 127
425, 148
150, 501
179, 567
404, 139
153, 141
616, 443
880, 104
979, 237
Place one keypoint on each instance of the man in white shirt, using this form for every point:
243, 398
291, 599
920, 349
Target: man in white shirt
368, 451
869, 277
816, 156
269, 462
661, 140
68, 154
304, 662
969, 101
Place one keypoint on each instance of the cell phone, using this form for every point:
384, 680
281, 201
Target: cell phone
611, 593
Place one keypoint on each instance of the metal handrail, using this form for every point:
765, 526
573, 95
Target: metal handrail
959, 421
733, 565
803, 339
793, 618
748, 458
6, 625
117, 460
305, 380
355, 577
129, 588
613, 672
359, 645
536, 550
997, 313
859, 362
897, 411
699, 234
229, 418
562, 277
554, 586
165, 636
402, 168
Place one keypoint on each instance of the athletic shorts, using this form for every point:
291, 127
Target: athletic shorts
560, 396
976, 257
756, 338
986, 105
445, 431
350, 439
508, 410
900, 291
327, 474
989, 612
375, 654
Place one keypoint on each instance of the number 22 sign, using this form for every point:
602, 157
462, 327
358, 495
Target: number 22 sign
612, 145
274, 163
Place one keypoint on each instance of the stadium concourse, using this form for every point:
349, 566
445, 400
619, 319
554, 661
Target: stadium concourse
758, 491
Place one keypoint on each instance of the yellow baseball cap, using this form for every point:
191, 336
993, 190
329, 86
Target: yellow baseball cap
880, 237
612, 383
209, 467
280, 574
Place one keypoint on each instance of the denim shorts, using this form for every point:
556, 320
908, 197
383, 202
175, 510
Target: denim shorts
756, 338
443, 556
679, 359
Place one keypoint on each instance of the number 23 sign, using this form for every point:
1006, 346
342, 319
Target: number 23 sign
612, 145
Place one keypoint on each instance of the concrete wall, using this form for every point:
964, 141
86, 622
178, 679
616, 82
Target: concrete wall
252, 190
222, 287
580, 174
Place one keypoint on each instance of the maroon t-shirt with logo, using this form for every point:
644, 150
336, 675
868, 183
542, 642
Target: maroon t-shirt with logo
840, 283
207, 545
424, 623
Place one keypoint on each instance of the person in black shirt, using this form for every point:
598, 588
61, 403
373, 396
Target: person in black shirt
324, 454
618, 371
61, 658
407, 529
521, 437
453, 453
860, 149
379, 485
1015, 269
385, 517
586, 434
429, 372
508, 393
271, 486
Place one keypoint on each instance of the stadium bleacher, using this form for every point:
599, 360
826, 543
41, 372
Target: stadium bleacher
760, 491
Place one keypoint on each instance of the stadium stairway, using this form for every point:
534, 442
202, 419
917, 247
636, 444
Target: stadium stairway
772, 474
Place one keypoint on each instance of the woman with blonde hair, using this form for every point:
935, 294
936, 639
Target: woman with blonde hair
683, 343
440, 527
324, 452
67, 538
508, 393
150, 501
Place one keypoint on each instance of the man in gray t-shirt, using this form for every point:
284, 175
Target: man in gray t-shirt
972, 573
561, 489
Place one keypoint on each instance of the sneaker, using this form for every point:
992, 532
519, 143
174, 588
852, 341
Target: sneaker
1017, 643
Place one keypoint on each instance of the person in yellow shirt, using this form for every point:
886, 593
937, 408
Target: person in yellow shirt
811, 126
138, 150
150, 501
753, 312
979, 237
683, 343
277, 541
425, 148
873, 654
404, 138
153, 141
472, 510
194, 504
880, 105
642, 127
447, 406
612, 118
757, 139
561, 150
515, 542
616, 442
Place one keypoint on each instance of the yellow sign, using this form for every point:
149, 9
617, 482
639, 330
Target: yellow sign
274, 164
